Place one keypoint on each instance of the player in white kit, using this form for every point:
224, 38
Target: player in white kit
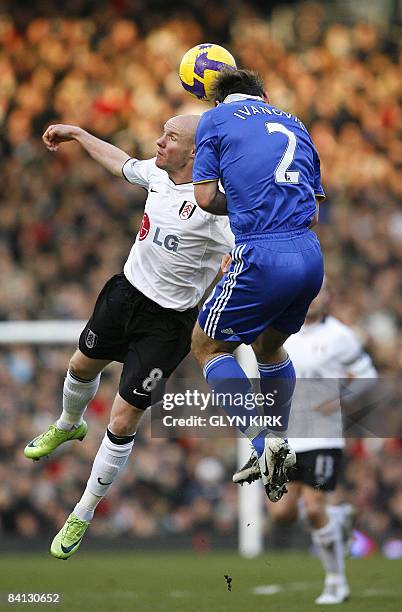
144, 316
324, 350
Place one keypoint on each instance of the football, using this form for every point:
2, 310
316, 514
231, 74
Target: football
199, 67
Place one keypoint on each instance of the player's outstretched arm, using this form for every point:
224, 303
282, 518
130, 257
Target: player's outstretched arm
209, 198
110, 157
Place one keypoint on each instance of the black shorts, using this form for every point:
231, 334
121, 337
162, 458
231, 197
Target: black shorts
318, 468
148, 339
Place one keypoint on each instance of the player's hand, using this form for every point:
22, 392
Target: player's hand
55, 134
225, 263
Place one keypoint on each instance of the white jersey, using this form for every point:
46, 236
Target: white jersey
178, 250
324, 350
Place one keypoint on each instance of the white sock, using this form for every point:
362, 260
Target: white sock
86, 507
76, 396
329, 545
109, 461
337, 513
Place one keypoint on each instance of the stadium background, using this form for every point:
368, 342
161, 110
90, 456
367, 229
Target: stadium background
66, 226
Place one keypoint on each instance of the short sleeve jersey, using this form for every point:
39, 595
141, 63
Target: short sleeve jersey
267, 163
178, 249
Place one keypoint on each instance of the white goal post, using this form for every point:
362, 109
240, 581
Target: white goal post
40, 332
251, 541
250, 496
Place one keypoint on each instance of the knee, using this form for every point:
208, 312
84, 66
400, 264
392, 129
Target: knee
266, 357
124, 417
120, 425
284, 515
81, 366
267, 354
315, 515
75, 367
268, 347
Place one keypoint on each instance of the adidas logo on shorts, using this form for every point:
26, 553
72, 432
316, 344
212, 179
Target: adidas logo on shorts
228, 330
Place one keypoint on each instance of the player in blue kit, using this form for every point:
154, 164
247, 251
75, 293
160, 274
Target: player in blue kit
270, 171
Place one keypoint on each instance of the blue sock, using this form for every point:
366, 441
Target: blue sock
224, 375
278, 380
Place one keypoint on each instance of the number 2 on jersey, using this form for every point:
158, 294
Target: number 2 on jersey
282, 174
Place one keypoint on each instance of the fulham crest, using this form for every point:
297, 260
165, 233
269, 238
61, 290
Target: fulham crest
186, 210
91, 339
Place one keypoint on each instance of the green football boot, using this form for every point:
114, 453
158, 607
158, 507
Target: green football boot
47, 442
69, 538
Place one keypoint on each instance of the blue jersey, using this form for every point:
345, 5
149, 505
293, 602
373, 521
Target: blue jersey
267, 163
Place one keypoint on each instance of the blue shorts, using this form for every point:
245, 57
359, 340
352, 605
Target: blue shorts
271, 282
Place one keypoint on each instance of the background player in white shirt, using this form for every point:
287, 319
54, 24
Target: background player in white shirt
143, 317
324, 349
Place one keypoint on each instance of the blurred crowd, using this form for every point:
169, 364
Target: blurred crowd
66, 226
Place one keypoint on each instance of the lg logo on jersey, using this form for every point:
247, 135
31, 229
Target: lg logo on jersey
170, 242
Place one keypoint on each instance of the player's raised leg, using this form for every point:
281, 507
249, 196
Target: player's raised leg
222, 372
277, 381
111, 458
277, 378
273, 456
80, 386
224, 375
147, 364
